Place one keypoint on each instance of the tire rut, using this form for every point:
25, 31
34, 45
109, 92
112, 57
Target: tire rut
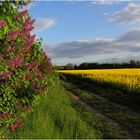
96, 94
99, 113
121, 107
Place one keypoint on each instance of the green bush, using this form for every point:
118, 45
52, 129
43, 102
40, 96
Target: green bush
24, 67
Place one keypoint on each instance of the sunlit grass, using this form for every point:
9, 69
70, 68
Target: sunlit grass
54, 117
57, 117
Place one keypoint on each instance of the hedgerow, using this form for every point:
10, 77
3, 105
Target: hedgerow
24, 67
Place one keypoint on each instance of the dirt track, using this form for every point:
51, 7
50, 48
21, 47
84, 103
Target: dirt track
71, 89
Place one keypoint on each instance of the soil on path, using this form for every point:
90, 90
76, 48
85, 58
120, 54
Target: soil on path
70, 88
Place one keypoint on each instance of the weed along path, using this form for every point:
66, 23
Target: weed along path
121, 117
69, 112
100, 114
57, 117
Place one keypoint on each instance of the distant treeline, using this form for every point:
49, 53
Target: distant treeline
131, 64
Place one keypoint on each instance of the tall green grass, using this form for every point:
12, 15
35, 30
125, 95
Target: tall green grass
54, 117
58, 117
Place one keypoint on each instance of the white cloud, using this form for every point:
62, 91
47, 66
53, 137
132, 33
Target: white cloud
129, 15
44, 23
100, 49
106, 2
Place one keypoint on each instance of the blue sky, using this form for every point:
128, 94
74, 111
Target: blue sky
70, 28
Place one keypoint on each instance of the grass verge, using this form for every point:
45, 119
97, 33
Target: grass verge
56, 117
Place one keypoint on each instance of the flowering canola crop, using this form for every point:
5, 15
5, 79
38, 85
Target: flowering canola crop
127, 79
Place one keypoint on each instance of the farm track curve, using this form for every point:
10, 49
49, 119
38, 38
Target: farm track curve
71, 89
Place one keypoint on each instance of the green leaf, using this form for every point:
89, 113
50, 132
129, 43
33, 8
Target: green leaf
6, 29
9, 19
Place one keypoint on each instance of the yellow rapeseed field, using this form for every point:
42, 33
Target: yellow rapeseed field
128, 79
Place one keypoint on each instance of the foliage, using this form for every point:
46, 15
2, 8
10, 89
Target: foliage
131, 64
60, 119
24, 66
